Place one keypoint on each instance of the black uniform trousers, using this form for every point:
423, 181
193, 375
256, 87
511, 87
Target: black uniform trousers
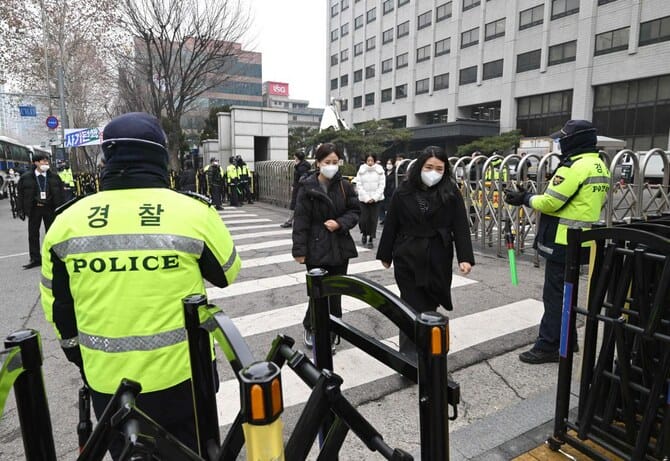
38, 213
335, 301
172, 408
549, 338
216, 191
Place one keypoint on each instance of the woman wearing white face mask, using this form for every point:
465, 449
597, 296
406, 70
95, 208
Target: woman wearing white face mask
370, 182
426, 219
326, 210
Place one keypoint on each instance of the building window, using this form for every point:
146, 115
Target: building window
470, 37
443, 11
401, 91
358, 75
358, 102
370, 43
403, 29
604, 2
333, 35
344, 55
387, 65
468, 75
562, 8
423, 53
334, 10
370, 71
344, 80
387, 6
369, 99
344, 5
636, 110
387, 35
333, 84
494, 29
358, 22
371, 15
655, 31
493, 69
402, 2
333, 59
401, 60
540, 114
358, 48
344, 29
531, 17
387, 94
528, 61
442, 46
424, 20
564, 52
422, 86
441, 82
344, 105
468, 4
611, 41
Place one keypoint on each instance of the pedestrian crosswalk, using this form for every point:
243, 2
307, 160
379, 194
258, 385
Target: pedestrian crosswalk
270, 298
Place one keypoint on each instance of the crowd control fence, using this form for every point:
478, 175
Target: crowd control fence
624, 388
258, 426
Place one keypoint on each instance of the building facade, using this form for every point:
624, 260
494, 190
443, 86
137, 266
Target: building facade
276, 95
456, 70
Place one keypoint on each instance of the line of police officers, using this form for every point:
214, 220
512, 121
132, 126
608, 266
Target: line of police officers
233, 182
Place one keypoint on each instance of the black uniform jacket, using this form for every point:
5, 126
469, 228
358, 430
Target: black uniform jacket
27, 191
314, 207
421, 245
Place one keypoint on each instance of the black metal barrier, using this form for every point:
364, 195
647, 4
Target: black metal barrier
258, 425
624, 395
429, 331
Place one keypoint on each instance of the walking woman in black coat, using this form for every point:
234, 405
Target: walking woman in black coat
326, 210
426, 219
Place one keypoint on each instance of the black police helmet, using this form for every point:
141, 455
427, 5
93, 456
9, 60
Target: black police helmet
135, 137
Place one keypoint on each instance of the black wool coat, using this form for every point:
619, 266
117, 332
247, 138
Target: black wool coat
27, 191
313, 208
421, 245
299, 170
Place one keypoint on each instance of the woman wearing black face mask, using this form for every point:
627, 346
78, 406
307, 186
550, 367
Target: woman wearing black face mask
426, 219
326, 210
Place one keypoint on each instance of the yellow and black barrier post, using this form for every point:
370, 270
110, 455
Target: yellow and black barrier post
261, 406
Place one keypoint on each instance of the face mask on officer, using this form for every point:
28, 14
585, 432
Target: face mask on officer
215, 163
44, 168
329, 170
430, 178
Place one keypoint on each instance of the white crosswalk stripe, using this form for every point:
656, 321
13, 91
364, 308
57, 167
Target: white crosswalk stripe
268, 271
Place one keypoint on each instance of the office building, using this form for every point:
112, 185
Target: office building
456, 70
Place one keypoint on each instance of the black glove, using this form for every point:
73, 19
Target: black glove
516, 197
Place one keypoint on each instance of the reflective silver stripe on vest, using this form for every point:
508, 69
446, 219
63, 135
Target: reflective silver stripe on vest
133, 343
545, 248
69, 343
575, 223
231, 260
122, 242
597, 180
557, 195
46, 282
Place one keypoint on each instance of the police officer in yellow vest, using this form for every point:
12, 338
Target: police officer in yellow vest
66, 176
116, 266
233, 181
574, 198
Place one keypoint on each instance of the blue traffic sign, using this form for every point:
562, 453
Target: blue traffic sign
52, 122
28, 111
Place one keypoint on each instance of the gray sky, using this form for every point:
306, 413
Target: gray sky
291, 35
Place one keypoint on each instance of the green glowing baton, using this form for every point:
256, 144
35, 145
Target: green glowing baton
509, 240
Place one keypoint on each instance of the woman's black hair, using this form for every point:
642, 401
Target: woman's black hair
374, 158
300, 155
446, 186
325, 149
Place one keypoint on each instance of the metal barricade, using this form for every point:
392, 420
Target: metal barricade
624, 396
275, 178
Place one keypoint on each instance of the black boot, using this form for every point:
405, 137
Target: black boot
364, 238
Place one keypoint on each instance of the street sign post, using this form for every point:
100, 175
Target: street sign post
52, 122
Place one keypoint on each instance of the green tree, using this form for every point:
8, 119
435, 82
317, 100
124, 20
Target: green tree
211, 128
300, 138
502, 143
371, 137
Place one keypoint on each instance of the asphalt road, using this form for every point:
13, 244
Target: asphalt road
491, 323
